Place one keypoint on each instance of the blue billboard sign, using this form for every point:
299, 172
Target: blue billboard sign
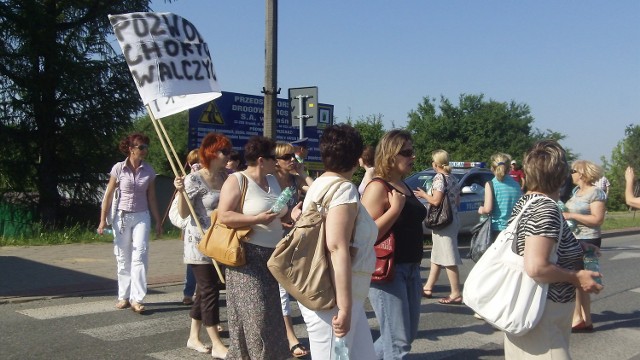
240, 116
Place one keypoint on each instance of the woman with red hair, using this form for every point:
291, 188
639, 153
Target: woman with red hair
203, 189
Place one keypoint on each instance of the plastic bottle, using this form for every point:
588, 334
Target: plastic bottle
341, 350
591, 263
282, 200
299, 158
483, 217
572, 223
107, 231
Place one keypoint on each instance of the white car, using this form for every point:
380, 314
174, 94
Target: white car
471, 181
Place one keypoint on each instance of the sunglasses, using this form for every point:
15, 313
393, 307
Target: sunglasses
225, 151
287, 157
406, 153
142, 147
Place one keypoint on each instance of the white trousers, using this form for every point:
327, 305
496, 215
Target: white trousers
321, 338
284, 301
131, 248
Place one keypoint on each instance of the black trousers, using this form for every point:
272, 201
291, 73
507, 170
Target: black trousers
205, 307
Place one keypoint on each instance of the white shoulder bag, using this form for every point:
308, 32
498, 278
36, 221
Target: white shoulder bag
498, 287
116, 196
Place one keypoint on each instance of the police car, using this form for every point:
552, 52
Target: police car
471, 176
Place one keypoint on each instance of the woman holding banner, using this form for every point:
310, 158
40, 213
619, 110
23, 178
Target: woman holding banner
132, 222
203, 189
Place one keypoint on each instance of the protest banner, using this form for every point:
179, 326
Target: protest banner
172, 68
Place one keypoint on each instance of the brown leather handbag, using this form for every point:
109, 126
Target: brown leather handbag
222, 243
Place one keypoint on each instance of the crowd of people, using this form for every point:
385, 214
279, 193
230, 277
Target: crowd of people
258, 308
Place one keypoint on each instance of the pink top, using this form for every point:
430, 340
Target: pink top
133, 186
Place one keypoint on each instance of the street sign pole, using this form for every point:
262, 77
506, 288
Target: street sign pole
302, 116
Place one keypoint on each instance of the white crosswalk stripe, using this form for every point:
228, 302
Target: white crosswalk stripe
85, 308
123, 331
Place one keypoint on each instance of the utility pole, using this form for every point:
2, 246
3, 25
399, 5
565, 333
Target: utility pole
271, 69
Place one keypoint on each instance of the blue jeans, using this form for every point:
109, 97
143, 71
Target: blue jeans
189, 283
397, 307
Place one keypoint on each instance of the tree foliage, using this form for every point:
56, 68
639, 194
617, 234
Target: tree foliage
177, 128
473, 129
65, 96
626, 153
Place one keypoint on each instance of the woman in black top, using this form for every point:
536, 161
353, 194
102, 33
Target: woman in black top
393, 206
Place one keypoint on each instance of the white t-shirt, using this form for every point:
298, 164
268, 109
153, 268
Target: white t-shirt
258, 201
366, 231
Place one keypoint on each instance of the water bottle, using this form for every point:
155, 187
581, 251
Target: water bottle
483, 217
106, 231
591, 263
341, 350
282, 200
299, 158
571, 223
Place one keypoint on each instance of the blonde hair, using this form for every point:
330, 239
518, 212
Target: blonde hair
500, 165
192, 157
387, 150
441, 160
545, 166
283, 148
590, 171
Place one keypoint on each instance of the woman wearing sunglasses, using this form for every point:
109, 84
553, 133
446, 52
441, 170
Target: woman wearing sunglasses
290, 174
132, 222
393, 206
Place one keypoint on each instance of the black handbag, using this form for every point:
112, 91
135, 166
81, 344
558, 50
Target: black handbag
441, 215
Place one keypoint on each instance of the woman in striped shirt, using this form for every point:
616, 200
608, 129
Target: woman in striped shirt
541, 231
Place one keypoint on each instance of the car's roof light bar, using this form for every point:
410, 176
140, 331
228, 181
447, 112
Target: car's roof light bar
467, 164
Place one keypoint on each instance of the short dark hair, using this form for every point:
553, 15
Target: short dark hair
258, 146
235, 156
368, 155
340, 147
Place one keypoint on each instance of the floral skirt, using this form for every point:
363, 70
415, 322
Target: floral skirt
256, 326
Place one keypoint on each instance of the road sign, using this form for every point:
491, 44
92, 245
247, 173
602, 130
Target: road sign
240, 116
305, 98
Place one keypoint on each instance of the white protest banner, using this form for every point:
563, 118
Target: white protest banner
169, 61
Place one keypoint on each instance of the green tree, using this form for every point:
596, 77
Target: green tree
65, 96
177, 127
626, 153
370, 127
472, 130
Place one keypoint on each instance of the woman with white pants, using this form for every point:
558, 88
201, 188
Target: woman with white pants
132, 222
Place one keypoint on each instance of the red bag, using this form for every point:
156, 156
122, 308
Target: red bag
385, 249
385, 268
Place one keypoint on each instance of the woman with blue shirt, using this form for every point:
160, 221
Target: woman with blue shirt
587, 208
501, 195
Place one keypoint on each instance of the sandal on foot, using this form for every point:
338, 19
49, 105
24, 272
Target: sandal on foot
427, 293
300, 348
137, 307
122, 304
451, 301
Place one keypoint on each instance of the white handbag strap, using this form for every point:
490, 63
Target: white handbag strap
512, 228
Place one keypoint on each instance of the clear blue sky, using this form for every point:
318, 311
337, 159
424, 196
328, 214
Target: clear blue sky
575, 63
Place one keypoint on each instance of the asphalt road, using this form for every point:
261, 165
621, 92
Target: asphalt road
90, 327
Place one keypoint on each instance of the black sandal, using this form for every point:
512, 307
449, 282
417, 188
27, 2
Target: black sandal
300, 347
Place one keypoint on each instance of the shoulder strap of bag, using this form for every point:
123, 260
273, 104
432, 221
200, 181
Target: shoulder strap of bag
493, 191
243, 185
327, 196
513, 225
383, 182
